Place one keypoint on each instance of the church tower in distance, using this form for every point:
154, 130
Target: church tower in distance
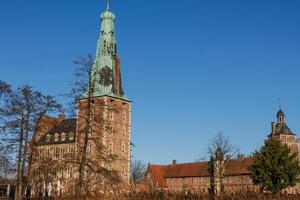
110, 109
282, 133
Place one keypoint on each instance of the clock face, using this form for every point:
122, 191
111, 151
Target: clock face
106, 76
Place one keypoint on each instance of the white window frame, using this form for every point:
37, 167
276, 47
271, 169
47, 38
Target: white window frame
56, 135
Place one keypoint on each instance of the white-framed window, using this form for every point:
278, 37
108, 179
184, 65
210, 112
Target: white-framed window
63, 136
48, 138
53, 152
62, 152
47, 152
71, 136
70, 172
89, 148
56, 135
71, 150
57, 150
41, 152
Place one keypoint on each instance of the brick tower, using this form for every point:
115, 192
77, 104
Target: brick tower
110, 109
281, 132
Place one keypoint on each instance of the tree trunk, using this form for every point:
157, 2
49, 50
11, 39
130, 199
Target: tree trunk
85, 143
25, 149
18, 192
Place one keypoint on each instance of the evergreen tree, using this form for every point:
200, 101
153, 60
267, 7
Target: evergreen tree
275, 167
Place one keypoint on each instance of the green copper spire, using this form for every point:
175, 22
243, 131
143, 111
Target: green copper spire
106, 75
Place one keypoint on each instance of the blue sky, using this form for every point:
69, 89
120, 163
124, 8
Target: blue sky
192, 68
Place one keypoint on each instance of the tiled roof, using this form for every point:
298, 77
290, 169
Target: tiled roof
187, 170
66, 126
238, 166
159, 173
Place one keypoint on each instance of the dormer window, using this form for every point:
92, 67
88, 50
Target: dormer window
71, 136
63, 136
48, 138
56, 137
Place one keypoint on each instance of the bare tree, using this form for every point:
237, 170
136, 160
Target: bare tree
138, 169
220, 151
19, 112
7, 163
222, 143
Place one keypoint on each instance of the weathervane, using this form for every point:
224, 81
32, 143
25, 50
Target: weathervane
107, 4
280, 106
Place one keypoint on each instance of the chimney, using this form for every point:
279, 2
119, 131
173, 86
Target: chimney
174, 162
273, 125
61, 117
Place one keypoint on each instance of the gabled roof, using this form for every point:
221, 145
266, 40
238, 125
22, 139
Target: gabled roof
65, 126
158, 173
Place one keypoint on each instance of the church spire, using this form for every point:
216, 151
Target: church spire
106, 75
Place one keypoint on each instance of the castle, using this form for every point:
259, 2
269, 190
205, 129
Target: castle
101, 129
